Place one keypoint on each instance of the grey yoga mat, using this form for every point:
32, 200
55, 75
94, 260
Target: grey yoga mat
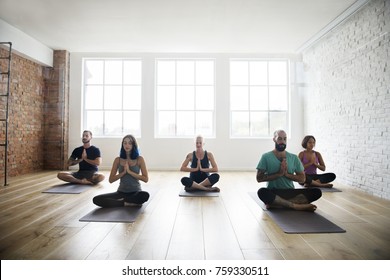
198, 194
125, 214
291, 221
333, 189
68, 188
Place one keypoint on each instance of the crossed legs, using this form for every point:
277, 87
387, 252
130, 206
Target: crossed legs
206, 185
297, 199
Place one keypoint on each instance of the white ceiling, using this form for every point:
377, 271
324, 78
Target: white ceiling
260, 26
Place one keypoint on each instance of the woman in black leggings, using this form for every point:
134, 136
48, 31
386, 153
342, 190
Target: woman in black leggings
200, 178
312, 160
129, 168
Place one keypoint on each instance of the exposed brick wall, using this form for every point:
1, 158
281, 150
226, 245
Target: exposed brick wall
26, 105
57, 112
347, 101
38, 115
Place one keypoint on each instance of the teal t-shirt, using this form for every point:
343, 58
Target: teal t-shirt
271, 164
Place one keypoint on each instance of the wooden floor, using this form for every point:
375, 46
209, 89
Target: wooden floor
36, 225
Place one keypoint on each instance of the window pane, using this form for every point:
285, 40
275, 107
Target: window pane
268, 92
113, 72
185, 123
278, 98
239, 73
258, 73
185, 98
132, 123
240, 123
95, 122
132, 97
185, 72
113, 97
185, 87
259, 124
277, 73
166, 98
166, 72
278, 120
204, 123
132, 72
239, 98
113, 123
205, 72
204, 98
258, 98
166, 123
93, 97
93, 72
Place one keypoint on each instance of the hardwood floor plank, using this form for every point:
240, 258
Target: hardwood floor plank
220, 239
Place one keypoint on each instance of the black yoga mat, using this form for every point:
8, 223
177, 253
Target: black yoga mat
292, 221
198, 194
68, 188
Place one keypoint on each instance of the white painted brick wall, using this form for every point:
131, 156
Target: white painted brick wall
347, 99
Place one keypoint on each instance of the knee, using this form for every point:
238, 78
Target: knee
101, 177
315, 194
187, 182
214, 178
96, 201
143, 197
265, 195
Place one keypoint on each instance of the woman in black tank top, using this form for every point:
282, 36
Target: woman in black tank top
200, 178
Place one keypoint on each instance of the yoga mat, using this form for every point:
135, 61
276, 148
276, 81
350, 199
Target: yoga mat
292, 221
198, 194
68, 188
125, 214
333, 189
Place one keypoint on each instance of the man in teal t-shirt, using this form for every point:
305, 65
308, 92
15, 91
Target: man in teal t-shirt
279, 169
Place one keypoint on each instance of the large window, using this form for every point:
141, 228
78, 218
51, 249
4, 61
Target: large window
185, 97
112, 96
259, 97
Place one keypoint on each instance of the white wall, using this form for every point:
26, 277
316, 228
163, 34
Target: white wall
347, 99
168, 154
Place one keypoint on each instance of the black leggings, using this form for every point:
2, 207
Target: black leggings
268, 195
118, 199
187, 182
324, 178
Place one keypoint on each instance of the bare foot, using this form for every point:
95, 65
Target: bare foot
304, 207
213, 189
86, 182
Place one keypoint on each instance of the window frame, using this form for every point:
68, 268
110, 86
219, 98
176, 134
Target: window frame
104, 85
269, 111
176, 110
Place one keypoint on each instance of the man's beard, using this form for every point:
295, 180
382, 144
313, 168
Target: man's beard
280, 147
